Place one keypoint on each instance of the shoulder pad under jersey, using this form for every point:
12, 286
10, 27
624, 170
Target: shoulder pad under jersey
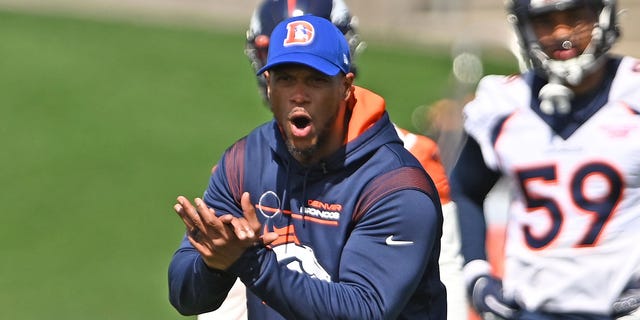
496, 98
626, 83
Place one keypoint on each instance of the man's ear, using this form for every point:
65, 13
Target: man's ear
267, 78
348, 79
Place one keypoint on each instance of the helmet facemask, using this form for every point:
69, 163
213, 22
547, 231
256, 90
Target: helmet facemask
257, 49
555, 96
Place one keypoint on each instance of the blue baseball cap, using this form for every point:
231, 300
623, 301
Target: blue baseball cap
309, 40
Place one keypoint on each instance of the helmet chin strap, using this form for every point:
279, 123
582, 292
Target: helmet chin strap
555, 97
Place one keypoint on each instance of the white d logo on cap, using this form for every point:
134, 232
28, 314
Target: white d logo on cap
299, 33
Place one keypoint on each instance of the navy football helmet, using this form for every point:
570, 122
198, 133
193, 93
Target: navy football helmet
270, 12
561, 73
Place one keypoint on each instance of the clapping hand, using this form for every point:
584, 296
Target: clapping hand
221, 240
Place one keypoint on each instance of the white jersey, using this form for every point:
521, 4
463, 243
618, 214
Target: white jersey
573, 232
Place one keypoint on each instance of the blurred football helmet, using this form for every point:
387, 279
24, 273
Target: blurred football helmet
270, 12
555, 95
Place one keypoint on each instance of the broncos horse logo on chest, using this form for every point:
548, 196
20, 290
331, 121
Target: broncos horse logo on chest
296, 256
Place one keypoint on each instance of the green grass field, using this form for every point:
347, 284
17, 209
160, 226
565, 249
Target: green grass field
103, 124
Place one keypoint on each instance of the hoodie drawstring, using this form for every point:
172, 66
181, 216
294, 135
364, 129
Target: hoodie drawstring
304, 196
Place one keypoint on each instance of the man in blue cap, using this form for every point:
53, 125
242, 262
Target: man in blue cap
321, 212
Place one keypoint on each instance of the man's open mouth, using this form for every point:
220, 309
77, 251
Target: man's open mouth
300, 121
300, 124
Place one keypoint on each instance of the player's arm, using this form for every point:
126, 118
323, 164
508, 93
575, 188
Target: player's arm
471, 180
381, 264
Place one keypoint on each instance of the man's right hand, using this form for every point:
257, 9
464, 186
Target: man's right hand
219, 240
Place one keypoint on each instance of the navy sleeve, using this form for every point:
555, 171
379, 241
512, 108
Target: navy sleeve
470, 182
194, 288
376, 280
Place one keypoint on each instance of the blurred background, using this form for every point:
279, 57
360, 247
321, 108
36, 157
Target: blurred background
110, 109
421, 21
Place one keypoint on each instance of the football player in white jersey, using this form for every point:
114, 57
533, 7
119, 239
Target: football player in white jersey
566, 135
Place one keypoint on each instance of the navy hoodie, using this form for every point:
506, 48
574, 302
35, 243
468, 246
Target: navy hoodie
359, 232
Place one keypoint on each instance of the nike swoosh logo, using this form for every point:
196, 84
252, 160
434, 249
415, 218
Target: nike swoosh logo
390, 242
